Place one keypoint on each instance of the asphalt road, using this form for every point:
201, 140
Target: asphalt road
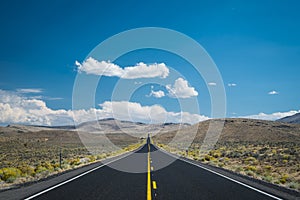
178, 180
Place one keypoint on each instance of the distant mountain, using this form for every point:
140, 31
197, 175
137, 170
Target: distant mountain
20, 128
103, 126
111, 125
294, 119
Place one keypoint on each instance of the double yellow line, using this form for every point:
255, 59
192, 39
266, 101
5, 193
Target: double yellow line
149, 189
149, 195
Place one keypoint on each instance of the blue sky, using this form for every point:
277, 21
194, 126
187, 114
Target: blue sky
255, 45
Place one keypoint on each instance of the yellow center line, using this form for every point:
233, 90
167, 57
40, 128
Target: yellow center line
149, 196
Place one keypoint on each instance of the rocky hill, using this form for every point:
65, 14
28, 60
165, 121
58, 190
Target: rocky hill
239, 130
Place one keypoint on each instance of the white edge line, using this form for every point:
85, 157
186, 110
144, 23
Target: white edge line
78, 176
231, 179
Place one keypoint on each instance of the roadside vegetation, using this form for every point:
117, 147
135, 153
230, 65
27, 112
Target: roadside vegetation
29, 157
277, 163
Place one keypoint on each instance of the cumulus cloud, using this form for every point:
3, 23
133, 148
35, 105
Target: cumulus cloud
18, 109
133, 111
15, 108
156, 94
181, 89
212, 84
30, 90
272, 116
232, 84
273, 92
140, 70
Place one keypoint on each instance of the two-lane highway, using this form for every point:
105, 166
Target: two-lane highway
178, 180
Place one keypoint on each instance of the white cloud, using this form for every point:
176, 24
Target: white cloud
140, 70
212, 84
30, 90
40, 97
133, 111
232, 84
15, 108
181, 89
273, 92
272, 116
53, 98
157, 94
